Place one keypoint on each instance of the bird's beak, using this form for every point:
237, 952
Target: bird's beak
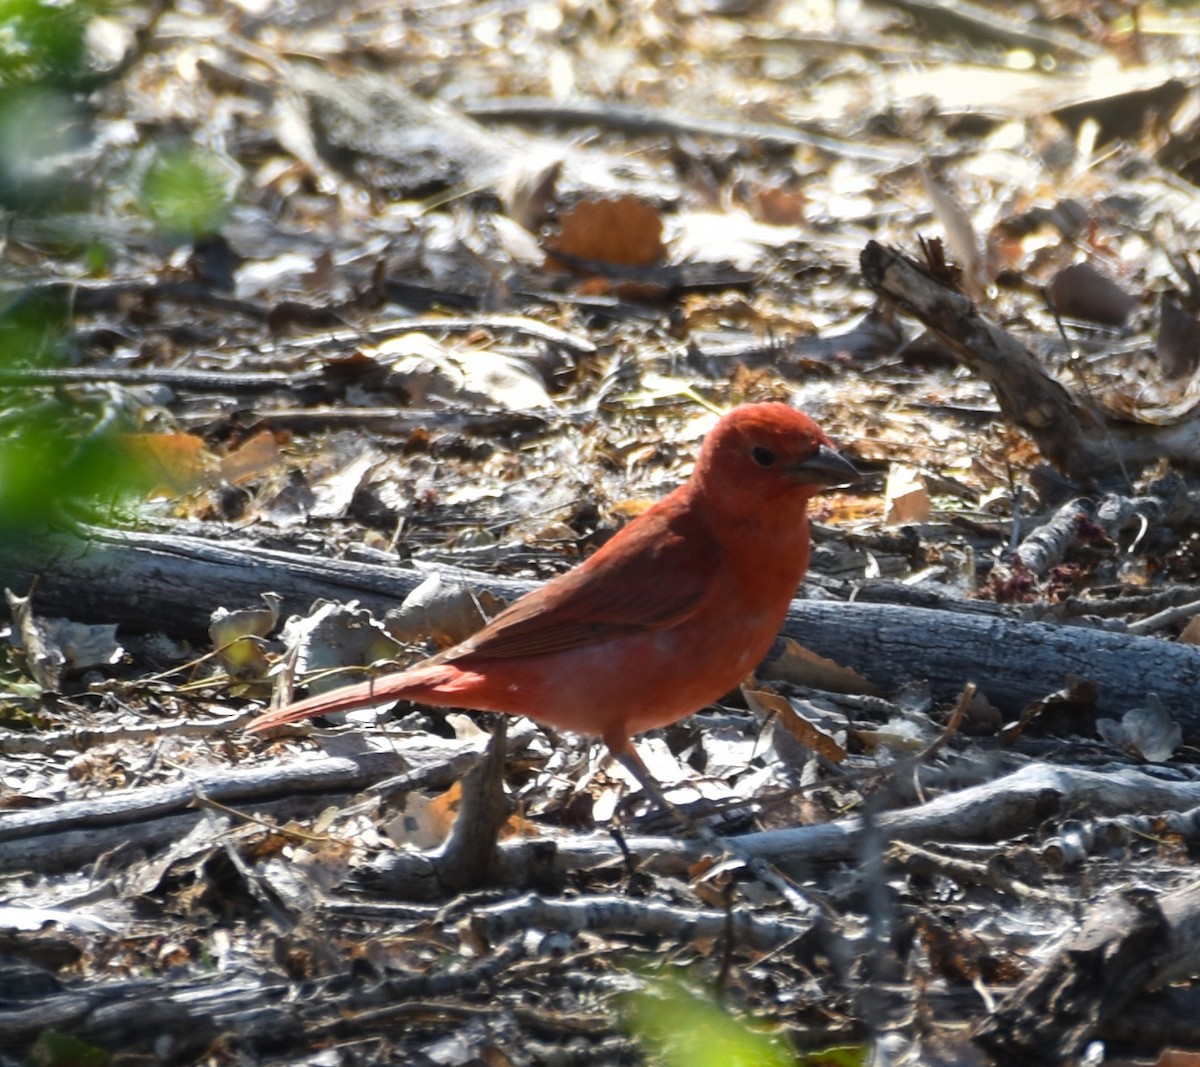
825, 467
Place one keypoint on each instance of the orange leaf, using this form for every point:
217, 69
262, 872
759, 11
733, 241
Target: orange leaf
807, 733
251, 459
166, 463
800, 666
626, 232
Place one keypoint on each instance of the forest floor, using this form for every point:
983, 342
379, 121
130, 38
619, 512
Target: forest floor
310, 311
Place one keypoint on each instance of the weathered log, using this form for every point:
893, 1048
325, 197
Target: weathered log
169, 583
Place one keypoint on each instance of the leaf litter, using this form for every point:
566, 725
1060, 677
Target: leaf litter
425, 172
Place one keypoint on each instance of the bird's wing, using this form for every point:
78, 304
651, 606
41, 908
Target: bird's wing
653, 574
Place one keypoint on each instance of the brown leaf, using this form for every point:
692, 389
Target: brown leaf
1190, 634
251, 460
168, 464
626, 232
801, 667
803, 730
1082, 292
779, 207
905, 498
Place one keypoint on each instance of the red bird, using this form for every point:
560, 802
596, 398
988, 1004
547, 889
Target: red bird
670, 614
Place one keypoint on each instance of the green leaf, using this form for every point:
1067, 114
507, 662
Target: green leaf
188, 192
680, 1029
53, 1049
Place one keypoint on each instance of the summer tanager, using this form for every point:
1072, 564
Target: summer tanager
667, 616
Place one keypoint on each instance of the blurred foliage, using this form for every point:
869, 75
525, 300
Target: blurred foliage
42, 41
677, 1028
188, 192
64, 448
43, 63
59, 454
680, 1029
55, 1049
35, 328
39, 127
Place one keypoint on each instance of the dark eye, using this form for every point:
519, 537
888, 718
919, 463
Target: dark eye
764, 457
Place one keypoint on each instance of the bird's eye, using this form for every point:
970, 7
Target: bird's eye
764, 457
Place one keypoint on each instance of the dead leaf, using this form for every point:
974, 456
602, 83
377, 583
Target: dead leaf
426, 822
1077, 697
804, 730
960, 234
1147, 732
167, 464
905, 498
1082, 292
227, 625
779, 207
43, 657
625, 232
1190, 634
443, 611
251, 460
801, 667
527, 191
334, 637
423, 367
896, 735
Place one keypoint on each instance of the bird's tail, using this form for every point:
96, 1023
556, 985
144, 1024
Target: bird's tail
407, 685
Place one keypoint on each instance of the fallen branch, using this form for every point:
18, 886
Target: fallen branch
171, 583
1071, 431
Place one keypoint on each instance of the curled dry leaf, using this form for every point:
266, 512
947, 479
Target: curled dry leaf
1190, 635
778, 207
528, 189
237, 637
426, 822
1147, 732
442, 611
905, 498
803, 729
227, 625
252, 460
167, 464
960, 234
43, 657
333, 636
423, 367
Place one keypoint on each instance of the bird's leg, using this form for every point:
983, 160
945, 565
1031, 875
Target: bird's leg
632, 762
622, 748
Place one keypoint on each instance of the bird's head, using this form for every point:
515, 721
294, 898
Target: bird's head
769, 452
